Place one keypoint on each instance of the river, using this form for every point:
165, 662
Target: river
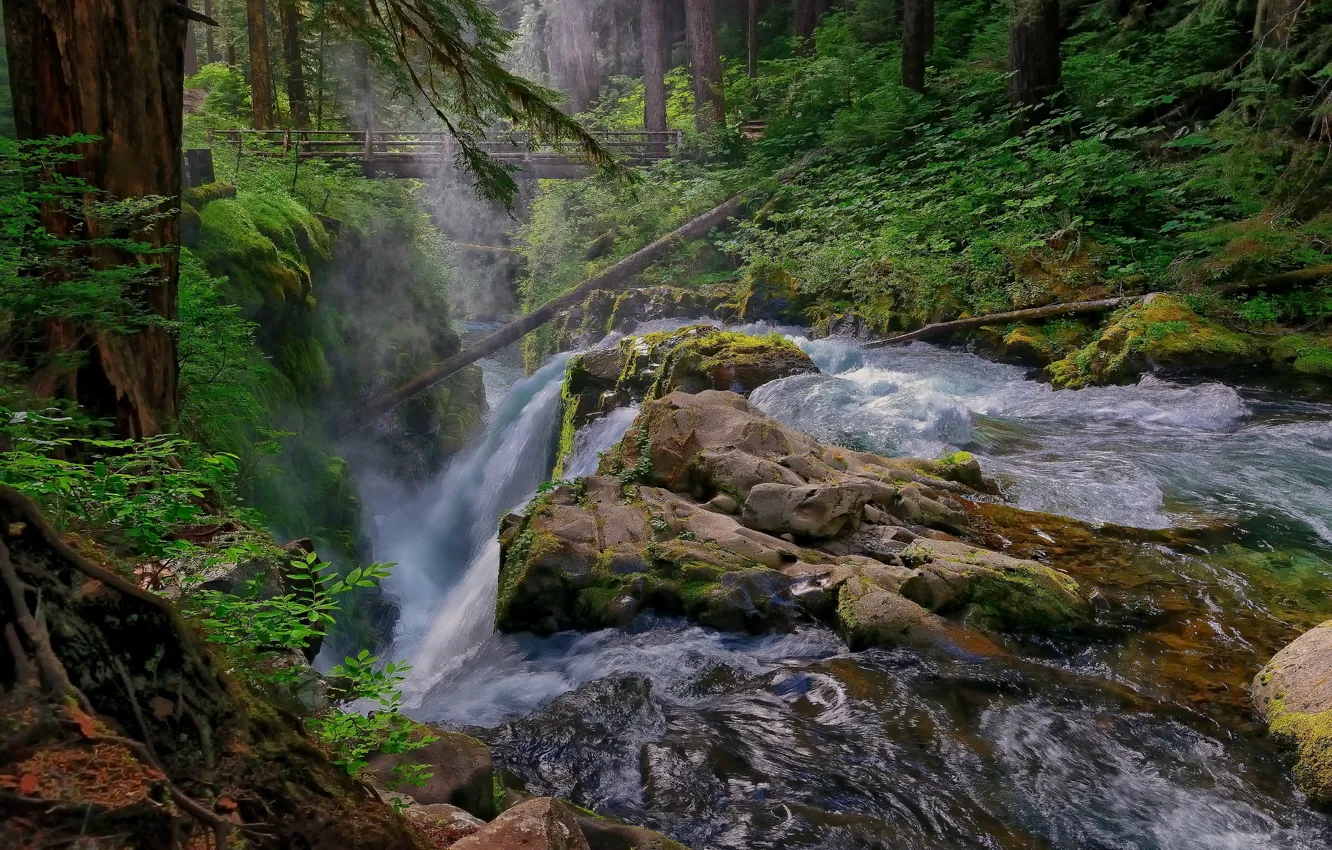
1135, 736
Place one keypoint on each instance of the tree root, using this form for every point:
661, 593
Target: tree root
62, 689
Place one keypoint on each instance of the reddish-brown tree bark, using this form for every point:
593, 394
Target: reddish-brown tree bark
261, 82
1033, 54
112, 69
653, 22
291, 48
705, 64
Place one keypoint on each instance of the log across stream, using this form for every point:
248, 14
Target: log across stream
1139, 735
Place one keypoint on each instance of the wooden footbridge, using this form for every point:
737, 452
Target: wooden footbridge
426, 154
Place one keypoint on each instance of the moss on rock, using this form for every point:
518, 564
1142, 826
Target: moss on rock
1293, 693
1159, 332
690, 359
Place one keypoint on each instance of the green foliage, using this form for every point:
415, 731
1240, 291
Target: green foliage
252, 622
228, 100
133, 494
46, 275
353, 736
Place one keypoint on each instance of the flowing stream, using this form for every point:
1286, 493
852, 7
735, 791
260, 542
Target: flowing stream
1138, 738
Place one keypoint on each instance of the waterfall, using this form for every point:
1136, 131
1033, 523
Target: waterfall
443, 539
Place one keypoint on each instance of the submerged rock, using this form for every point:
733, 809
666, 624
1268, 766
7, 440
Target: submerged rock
692, 359
712, 510
1293, 693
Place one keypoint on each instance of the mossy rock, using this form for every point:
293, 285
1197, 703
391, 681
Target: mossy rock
260, 274
1001, 591
1305, 354
1293, 693
773, 297
1033, 344
191, 226
1159, 332
691, 359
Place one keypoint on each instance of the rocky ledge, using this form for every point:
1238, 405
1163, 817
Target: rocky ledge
712, 510
694, 358
1293, 693
466, 805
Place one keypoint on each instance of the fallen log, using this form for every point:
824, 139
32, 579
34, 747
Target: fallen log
613, 278
1045, 312
1282, 280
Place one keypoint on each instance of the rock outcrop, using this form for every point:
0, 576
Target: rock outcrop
710, 509
692, 359
1160, 332
1293, 693
543, 823
461, 768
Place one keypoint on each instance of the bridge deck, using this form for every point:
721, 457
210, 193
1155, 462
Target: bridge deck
425, 154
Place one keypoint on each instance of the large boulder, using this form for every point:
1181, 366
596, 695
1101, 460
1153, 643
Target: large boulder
691, 359
1293, 693
461, 766
712, 510
1160, 332
543, 823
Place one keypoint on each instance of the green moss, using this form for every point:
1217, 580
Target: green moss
570, 398
232, 246
1310, 735
201, 196
701, 357
290, 226
1304, 353
1158, 332
1034, 598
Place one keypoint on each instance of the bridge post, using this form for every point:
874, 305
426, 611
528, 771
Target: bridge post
198, 167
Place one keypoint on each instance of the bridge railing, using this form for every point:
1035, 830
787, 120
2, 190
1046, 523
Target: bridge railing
627, 145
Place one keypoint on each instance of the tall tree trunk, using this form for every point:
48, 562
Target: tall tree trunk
191, 47
261, 83
231, 51
291, 46
112, 69
1275, 19
575, 53
929, 27
1033, 56
751, 37
916, 29
362, 99
806, 18
652, 20
705, 64
272, 24
210, 45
